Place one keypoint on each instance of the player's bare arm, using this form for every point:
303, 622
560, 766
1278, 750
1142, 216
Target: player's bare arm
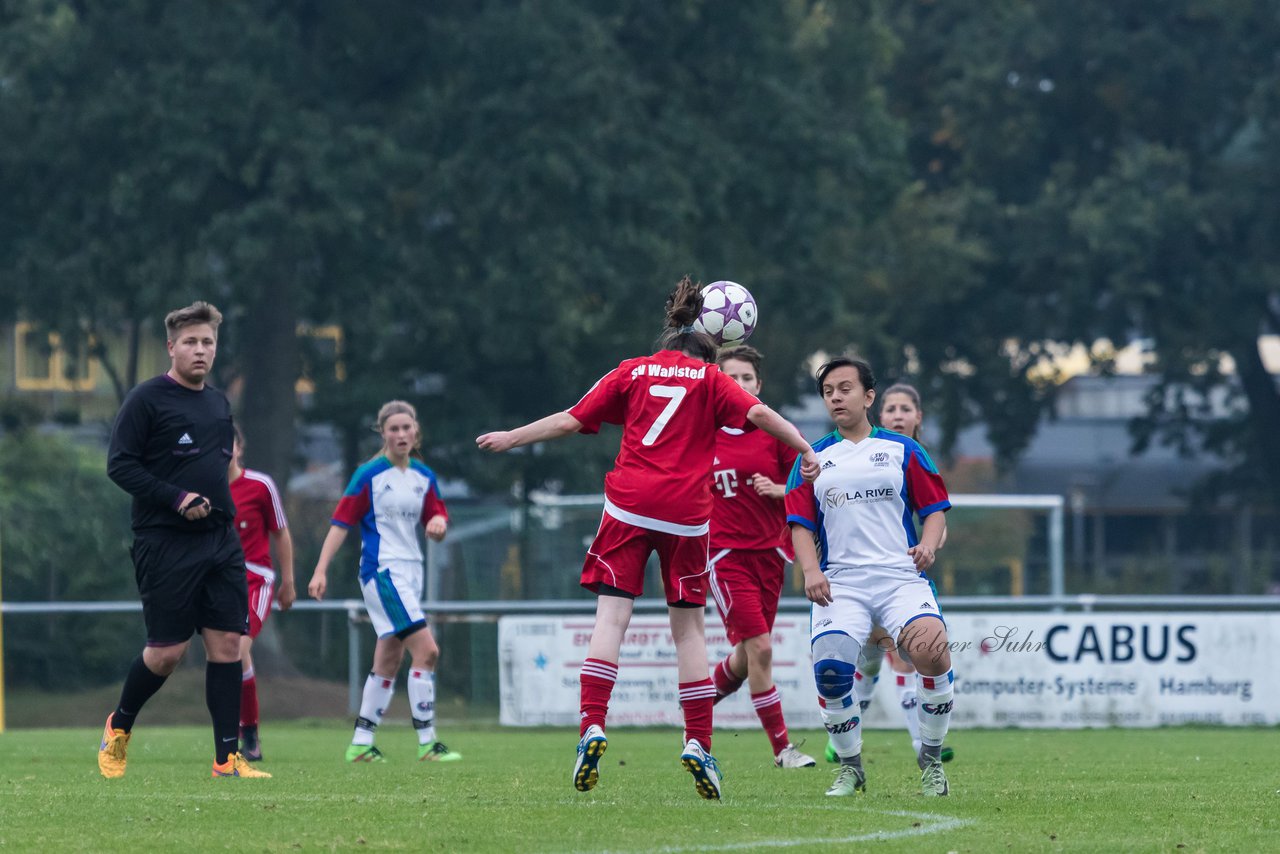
319, 578
764, 485
816, 586
282, 545
784, 431
437, 526
554, 426
932, 533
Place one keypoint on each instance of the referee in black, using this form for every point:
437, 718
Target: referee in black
169, 449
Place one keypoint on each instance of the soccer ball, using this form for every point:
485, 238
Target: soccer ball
728, 313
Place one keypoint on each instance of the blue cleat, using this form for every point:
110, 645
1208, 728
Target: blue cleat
591, 747
704, 768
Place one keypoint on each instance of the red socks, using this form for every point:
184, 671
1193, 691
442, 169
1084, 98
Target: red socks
697, 700
724, 680
596, 681
769, 707
249, 699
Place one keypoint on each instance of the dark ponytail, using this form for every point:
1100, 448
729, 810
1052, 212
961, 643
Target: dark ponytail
684, 305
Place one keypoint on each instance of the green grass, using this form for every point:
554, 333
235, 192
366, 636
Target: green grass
1173, 790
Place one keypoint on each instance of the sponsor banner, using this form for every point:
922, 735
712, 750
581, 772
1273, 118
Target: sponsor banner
1028, 670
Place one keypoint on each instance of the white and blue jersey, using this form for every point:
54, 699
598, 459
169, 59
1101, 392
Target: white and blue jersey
390, 505
860, 507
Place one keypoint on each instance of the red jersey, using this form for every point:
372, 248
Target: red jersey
743, 518
258, 512
670, 406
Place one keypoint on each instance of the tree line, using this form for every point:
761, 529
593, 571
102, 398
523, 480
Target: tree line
491, 199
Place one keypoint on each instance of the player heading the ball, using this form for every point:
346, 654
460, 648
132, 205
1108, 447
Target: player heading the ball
657, 499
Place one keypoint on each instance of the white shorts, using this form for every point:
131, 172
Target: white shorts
393, 597
863, 597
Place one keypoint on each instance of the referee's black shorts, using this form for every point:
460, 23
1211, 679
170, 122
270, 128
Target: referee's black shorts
191, 581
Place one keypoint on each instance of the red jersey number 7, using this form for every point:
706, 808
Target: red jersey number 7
674, 394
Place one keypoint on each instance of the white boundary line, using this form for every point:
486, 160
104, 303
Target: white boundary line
929, 823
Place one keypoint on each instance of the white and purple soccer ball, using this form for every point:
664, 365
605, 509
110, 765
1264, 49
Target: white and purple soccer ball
728, 313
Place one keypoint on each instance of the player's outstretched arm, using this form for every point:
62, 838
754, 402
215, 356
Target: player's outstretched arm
554, 426
784, 431
320, 578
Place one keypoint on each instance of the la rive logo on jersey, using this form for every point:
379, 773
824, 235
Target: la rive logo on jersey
833, 499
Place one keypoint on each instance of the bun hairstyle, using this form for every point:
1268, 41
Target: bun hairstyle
398, 407
684, 305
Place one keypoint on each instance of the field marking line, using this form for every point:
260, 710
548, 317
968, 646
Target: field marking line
929, 823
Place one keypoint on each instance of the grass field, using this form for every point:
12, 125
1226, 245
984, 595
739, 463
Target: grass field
1099, 790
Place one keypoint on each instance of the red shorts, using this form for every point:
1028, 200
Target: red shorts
261, 588
620, 551
746, 584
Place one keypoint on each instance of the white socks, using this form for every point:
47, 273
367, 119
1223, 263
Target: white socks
844, 724
422, 704
373, 704
934, 707
909, 703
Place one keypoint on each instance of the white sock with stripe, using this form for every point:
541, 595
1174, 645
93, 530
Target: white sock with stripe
934, 708
908, 701
378, 691
422, 704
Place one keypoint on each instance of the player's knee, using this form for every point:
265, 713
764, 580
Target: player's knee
834, 677
925, 644
835, 655
871, 658
163, 660
759, 651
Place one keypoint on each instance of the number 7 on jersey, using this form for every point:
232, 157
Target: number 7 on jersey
674, 394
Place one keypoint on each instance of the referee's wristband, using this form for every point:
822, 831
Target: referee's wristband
199, 502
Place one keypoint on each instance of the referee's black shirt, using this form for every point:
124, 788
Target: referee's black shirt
169, 440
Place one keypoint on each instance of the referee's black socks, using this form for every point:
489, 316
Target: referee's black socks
222, 695
139, 686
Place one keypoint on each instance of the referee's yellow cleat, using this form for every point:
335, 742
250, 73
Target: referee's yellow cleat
237, 766
111, 751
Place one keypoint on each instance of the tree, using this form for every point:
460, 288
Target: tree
64, 535
490, 235
1114, 167
607, 154
160, 153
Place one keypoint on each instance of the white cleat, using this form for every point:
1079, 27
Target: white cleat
704, 768
591, 747
933, 780
849, 780
789, 757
